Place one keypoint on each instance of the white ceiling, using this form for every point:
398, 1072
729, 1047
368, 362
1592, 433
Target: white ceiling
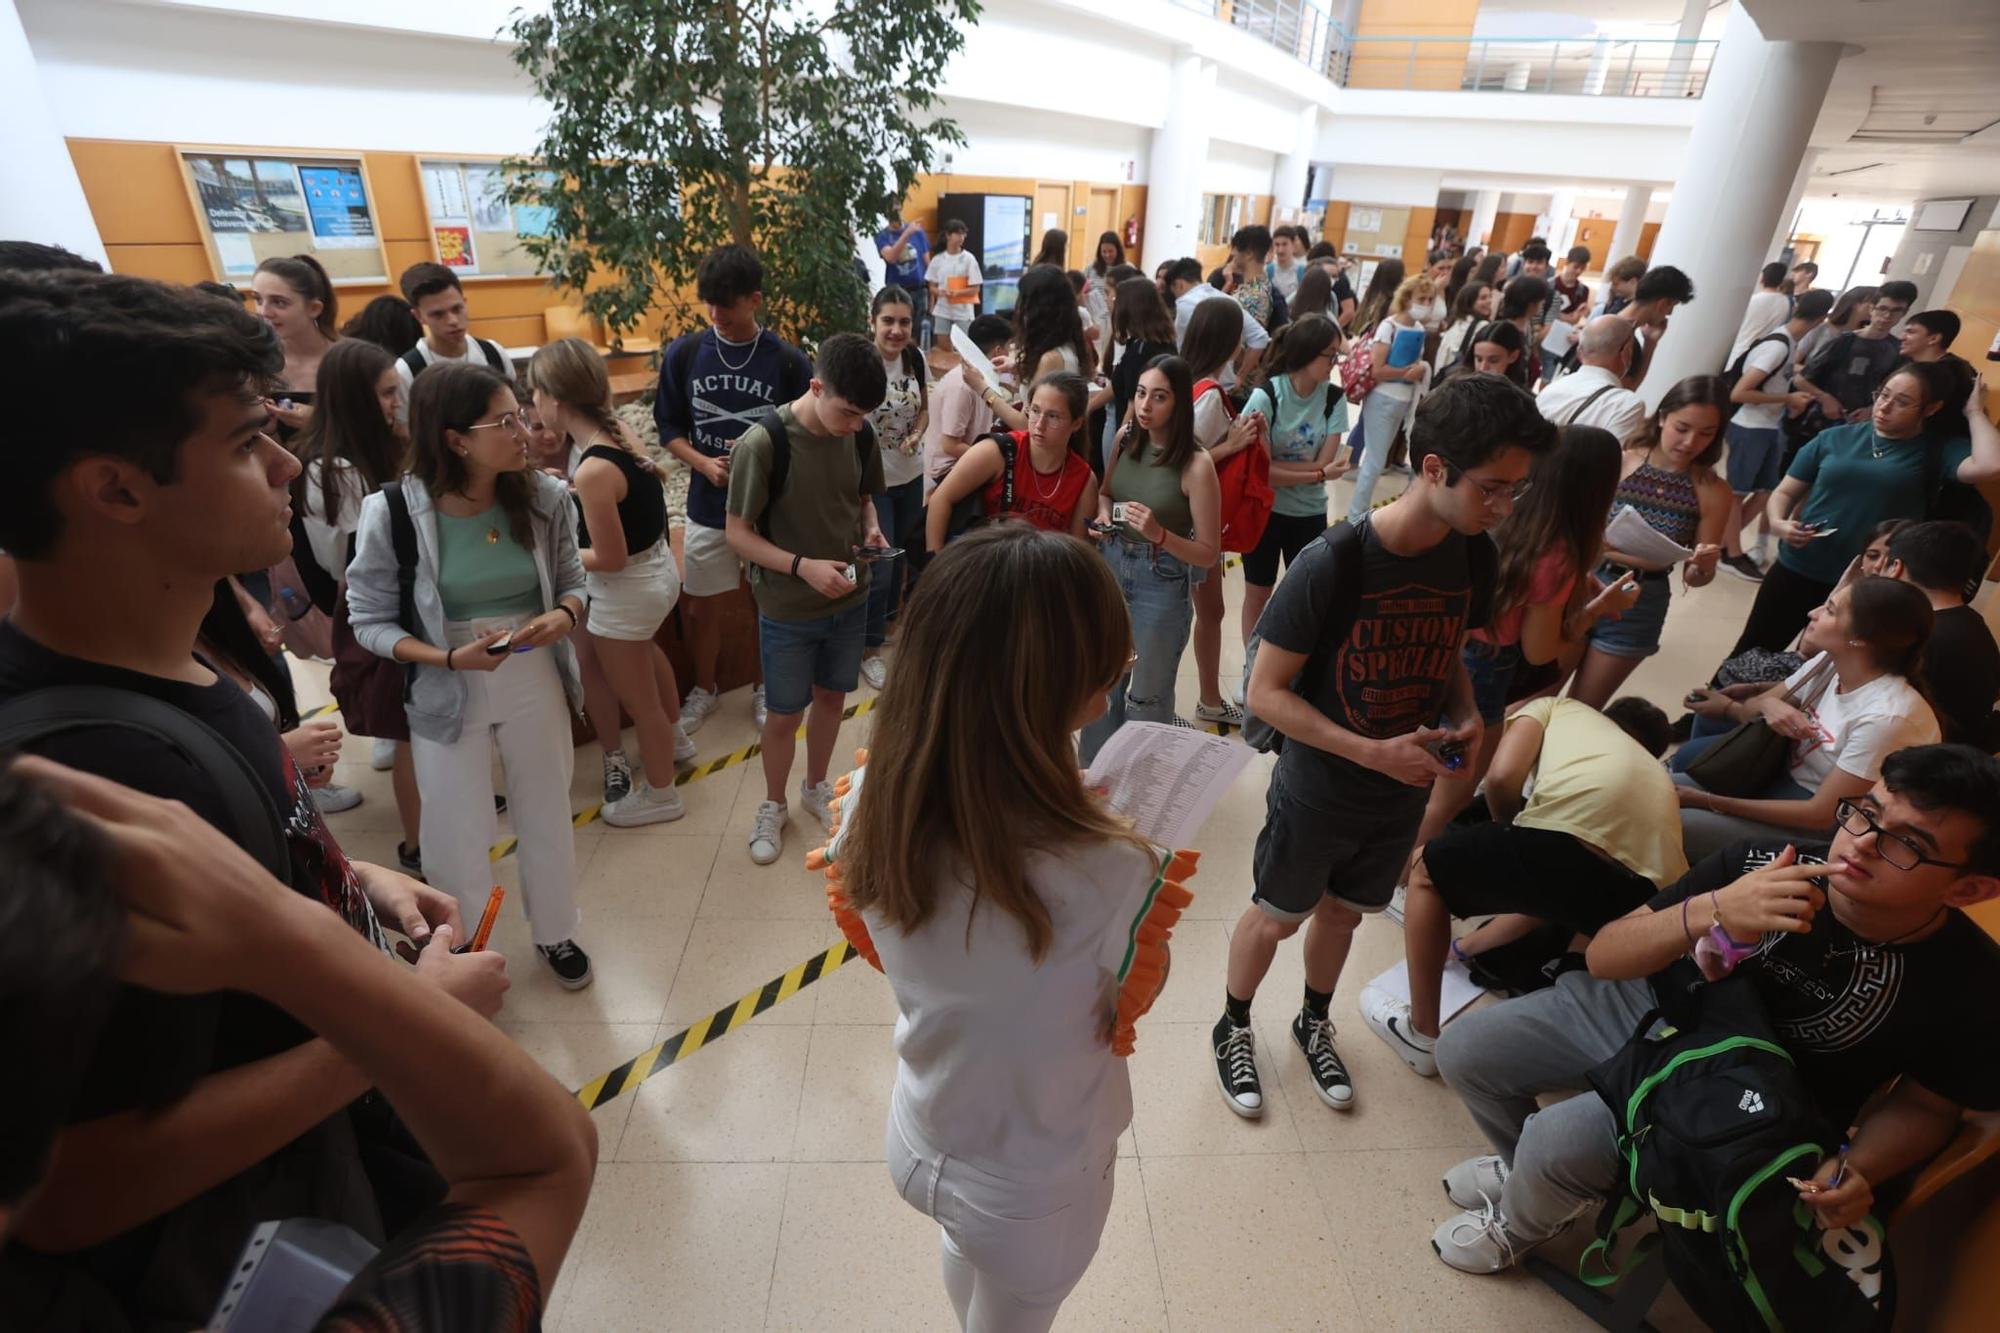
1914, 111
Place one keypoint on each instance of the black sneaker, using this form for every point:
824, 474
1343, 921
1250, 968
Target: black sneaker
1236, 1069
570, 964
411, 859
617, 777
1743, 567
1314, 1036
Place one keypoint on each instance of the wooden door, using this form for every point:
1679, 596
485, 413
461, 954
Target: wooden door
1052, 214
1594, 234
1100, 216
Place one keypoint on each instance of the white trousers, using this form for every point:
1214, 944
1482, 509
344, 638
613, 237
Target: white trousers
1012, 1252
519, 708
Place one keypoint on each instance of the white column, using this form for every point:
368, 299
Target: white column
1733, 185
1631, 223
1288, 177
1791, 210
1600, 58
1693, 12
1173, 168
44, 201
1485, 208
1562, 225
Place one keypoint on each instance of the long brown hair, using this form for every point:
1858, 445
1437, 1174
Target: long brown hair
347, 425
570, 371
304, 275
1017, 629
1214, 336
1694, 391
1140, 313
1180, 446
1564, 510
452, 395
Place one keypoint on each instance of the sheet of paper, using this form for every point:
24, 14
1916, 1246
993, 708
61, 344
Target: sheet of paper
1166, 779
968, 350
1458, 991
1636, 537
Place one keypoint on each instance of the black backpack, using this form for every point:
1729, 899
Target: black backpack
781, 461
1712, 1116
403, 537
255, 823
970, 512
1734, 372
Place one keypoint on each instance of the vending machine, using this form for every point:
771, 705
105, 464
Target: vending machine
997, 230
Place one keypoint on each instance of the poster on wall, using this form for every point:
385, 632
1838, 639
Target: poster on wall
486, 187
454, 247
1364, 219
338, 207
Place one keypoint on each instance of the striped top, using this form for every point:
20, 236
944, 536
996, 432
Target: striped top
1666, 500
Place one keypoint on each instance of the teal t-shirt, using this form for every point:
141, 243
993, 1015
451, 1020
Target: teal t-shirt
1853, 490
1297, 429
482, 570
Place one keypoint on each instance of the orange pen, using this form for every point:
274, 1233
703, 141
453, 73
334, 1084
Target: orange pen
487, 918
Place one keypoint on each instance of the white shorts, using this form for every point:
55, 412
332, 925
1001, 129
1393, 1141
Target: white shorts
708, 567
632, 603
943, 320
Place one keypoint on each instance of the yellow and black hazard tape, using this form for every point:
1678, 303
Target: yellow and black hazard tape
506, 847
321, 711
623, 1079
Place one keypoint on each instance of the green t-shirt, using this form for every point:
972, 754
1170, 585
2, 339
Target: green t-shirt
1853, 490
482, 570
1142, 478
818, 516
1298, 429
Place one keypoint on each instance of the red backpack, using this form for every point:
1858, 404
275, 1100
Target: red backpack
1245, 478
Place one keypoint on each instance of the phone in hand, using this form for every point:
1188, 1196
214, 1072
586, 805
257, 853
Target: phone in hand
867, 555
501, 646
1450, 753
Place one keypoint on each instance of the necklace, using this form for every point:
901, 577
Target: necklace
1868, 949
722, 342
1875, 449
1035, 475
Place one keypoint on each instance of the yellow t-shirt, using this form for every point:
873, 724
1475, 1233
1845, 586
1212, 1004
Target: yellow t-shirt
1597, 784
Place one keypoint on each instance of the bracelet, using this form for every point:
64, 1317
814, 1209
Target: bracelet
1685, 931
795, 565
447, 659
564, 608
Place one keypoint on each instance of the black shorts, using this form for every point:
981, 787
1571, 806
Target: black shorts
1325, 838
1286, 535
1483, 869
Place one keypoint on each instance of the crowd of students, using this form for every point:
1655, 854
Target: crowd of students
1017, 554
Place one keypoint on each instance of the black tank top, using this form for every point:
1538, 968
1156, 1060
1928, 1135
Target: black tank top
643, 511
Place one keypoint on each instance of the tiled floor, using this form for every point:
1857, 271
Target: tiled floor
744, 1189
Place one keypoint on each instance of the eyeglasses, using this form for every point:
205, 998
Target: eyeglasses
1897, 850
508, 420
1492, 492
1890, 398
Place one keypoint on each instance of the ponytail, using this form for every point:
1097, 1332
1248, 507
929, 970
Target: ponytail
305, 275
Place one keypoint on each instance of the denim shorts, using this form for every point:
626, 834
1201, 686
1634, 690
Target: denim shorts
801, 654
1491, 666
1754, 455
1636, 632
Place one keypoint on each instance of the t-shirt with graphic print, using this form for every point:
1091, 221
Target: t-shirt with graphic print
1855, 1015
895, 420
711, 391
1389, 674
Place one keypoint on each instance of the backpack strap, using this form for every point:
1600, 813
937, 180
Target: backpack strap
403, 537
1584, 406
413, 360
1742, 362
913, 364
495, 358
1009, 451
1482, 560
864, 446
256, 824
781, 465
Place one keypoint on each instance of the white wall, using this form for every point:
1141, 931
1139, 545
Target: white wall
1399, 186
1234, 169
1011, 141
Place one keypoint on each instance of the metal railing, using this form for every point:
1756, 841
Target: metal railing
1588, 67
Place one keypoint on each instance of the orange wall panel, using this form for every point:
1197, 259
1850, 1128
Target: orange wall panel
398, 199
168, 263
137, 192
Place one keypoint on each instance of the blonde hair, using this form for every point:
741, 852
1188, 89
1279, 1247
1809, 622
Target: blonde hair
1406, 294
570, 371
972, 766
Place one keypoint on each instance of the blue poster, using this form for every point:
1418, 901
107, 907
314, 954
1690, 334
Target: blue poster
338, 207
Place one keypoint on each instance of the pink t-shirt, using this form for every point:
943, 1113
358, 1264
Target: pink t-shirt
957, 411
1551, 581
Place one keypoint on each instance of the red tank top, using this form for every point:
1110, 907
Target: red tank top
1047, 500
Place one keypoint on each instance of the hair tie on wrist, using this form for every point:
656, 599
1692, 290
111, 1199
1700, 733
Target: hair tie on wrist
564, 608
795, 565
448, 666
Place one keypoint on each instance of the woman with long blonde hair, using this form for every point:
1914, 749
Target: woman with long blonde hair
1397, 360
628, 567
1009, 942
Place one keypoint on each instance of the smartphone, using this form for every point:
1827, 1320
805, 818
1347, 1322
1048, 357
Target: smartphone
1449, 753
500, 647
1118, 511
867, 555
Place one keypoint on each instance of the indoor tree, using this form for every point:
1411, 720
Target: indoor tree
681, 125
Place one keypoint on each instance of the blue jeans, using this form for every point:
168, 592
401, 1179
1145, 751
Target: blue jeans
1381, 417
1157, 594
900, 512
800, 654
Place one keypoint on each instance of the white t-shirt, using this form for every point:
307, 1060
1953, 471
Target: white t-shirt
1775, 358
329, 540
1211, 419
1001, 1062
1286, 280
1858, 729
1617, 410
1766, 313
902, 445
1385, 332
474, 355
946, 268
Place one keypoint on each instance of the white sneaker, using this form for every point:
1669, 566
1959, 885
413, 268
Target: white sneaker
1398, 901
875, 672
695, 709
1477, 1241
757, 709
767, 834
684, 750
382, 756
647, 804
333, 798
1477, 1181
1224, 712
1389, 1018
818, 801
